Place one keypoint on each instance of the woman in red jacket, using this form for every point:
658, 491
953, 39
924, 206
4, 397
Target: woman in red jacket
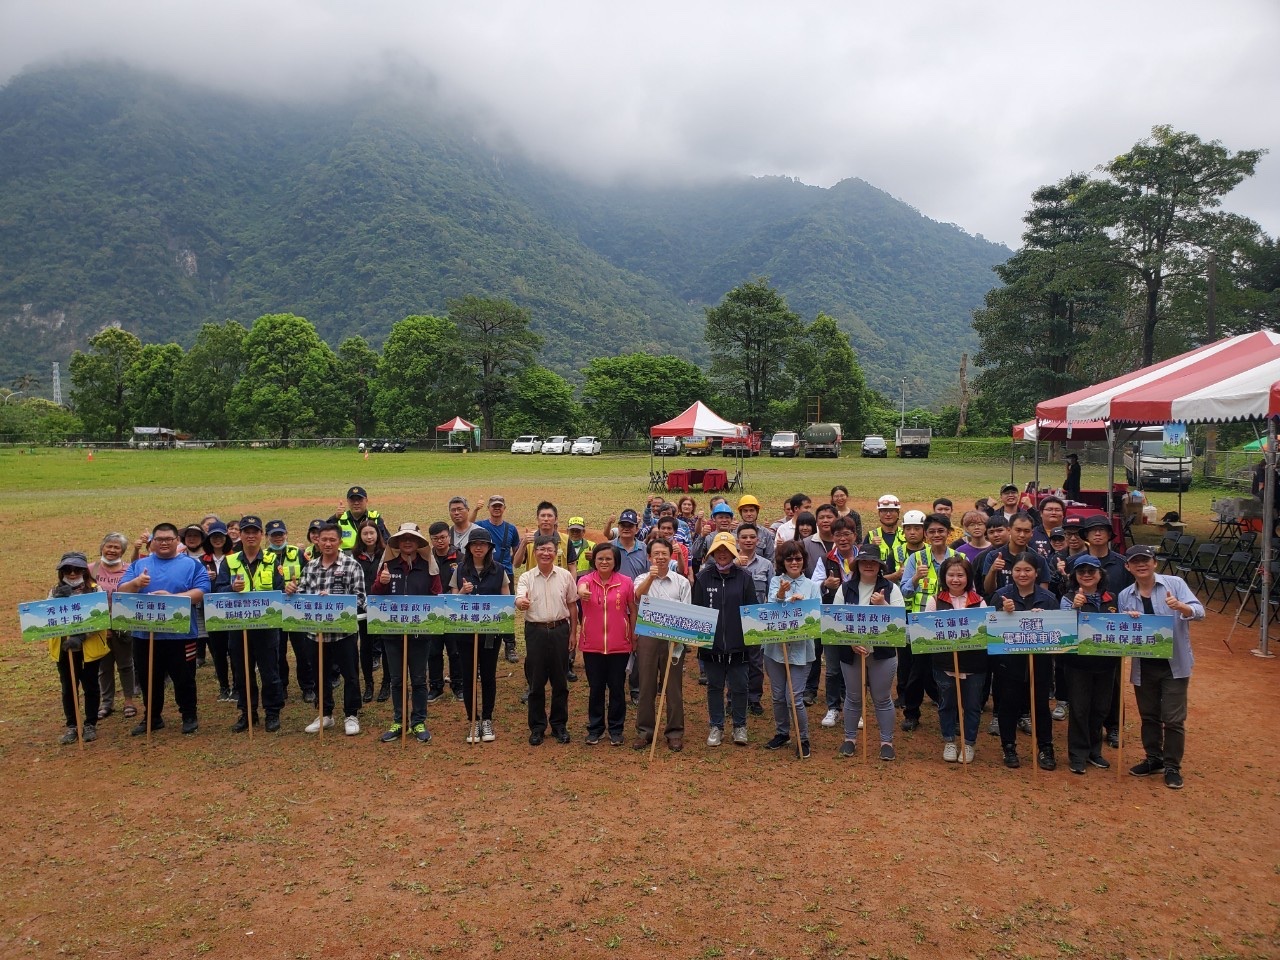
606, 640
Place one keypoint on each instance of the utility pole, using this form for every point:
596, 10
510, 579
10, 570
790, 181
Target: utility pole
903, 421
1211, 330
964, 394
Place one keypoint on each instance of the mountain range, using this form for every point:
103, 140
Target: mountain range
132, 198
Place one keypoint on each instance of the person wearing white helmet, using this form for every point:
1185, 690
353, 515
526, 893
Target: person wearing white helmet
888, 535
915, 674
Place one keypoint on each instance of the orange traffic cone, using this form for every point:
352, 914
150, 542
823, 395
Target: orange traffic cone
91, 456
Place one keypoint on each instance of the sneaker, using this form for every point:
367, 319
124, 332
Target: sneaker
910, 724
1147, 767
1113, 741
511, 654
377, 664
777, 742
458, 696
190, 726
993, 727
805, 752
473, 733
739, 736
308, 696
615, 739
351, 726
273, 722
141, 728
756, 708
715, 737
486, 731
224, 695
1046, 759
315, 725
968, 753
69, 737
949, 752
392, 733
702, 681
1172, 778
1075, 766
592, 739
1011, 757
1101, 762
90, 733
434, 695
829, 718
571, 676
808, 699
421, 732
887, 752
848, 748
524, 697
1060, 711
384, 693
1024, 724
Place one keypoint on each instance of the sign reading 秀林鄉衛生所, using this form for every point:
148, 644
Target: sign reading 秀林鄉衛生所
64, 617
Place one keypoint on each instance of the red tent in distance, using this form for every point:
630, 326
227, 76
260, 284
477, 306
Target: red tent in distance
698, 421
457, 423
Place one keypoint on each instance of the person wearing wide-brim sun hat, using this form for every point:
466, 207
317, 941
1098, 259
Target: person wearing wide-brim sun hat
83, 651
724, 586
407, 569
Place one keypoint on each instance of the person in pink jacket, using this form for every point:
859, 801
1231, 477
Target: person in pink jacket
606, 641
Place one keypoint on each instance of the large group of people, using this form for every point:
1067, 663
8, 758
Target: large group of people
581, 597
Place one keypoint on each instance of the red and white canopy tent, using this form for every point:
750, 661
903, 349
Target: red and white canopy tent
1233, 379
698, 420
458, 425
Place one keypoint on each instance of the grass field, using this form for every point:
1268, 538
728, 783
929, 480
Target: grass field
292, 847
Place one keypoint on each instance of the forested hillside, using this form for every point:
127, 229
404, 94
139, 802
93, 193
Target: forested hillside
128, 198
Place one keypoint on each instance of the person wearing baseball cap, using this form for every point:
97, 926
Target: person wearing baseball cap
635, 558
724, 586
505, 537
578, 549
357, 509
290, 562
886, 538
1160, 686
80, 652
1088, 682
254, 569
1008, 501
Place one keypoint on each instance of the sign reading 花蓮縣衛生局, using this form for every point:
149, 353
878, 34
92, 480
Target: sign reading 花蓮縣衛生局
781, 622
1032, 631
251, 610
1123, 635
333, 615
948, 631
677, 622
438, 615
849, 625
68, 616
150, 613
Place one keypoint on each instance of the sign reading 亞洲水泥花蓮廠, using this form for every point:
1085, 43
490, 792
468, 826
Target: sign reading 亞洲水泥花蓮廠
948, 630
1032, 631
849, 625
678, 622
452, 613
83, 613
1122, 635
256, 610
781, 622
150, 613
331, 615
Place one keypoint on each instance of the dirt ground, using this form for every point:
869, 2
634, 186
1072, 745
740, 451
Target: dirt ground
294, 846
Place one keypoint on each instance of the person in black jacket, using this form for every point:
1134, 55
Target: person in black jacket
723, 585
1012, 677
869, 588
1090, 680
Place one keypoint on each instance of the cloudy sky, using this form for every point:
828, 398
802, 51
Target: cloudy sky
960, 109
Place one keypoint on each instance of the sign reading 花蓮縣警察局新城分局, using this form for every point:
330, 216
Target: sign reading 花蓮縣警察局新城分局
677, 622
781, 622
438, 615
150, 613
332, 615
64, 617
1121, 635
948, 631
849, 625
1032, 631
251, 610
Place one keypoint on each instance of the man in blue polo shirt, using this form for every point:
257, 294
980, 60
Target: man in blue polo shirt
166, 572
506, 540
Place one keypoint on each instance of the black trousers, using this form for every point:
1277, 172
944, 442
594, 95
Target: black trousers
437, 647
369, 647
606, 675
175, 659
915, 679
488, 667
264, 647
304, 652
1089, 693
86, 679
547, 661
218, 647
342, 654
1014, 686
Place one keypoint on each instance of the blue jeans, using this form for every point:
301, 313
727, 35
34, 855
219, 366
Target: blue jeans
735, 674
971, 695
777, 674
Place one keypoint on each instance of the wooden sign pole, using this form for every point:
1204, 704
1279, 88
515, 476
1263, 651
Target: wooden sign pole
1120, 725
75, 694
862, 717
955, 662
475, 686
248, 682
322, 681
404, 689
151, 680
791, 698
661, 712
1031, 675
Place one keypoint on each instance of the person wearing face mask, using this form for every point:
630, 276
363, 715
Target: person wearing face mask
107, 571
82, 650
218, 548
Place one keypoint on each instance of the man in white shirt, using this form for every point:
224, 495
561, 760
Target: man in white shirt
661, 583
548, 596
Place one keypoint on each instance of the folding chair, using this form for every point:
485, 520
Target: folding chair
1204, 559
1234, 570
1168, 544
1181, 552
1256, 591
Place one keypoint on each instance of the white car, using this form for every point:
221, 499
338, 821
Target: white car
527, 444
556, 445
586, 446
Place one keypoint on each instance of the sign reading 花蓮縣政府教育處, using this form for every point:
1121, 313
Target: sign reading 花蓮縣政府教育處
438, 615
1122, 635
332, 615
677, 622
251, 610
849, 625
792, 622
64, 617
1032, 631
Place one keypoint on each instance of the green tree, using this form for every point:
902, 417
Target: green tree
1160, 206
36, 420
630, 393
494, 337
420, 383
750, 335
825, 368
358, 377
150, 383
290, 387
99, 392
208, 374
542, 402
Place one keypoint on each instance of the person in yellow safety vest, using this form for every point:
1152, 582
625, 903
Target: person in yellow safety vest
289, 562
920, 577
885, 538
349, 520
250, 570
578, 550
915, 673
